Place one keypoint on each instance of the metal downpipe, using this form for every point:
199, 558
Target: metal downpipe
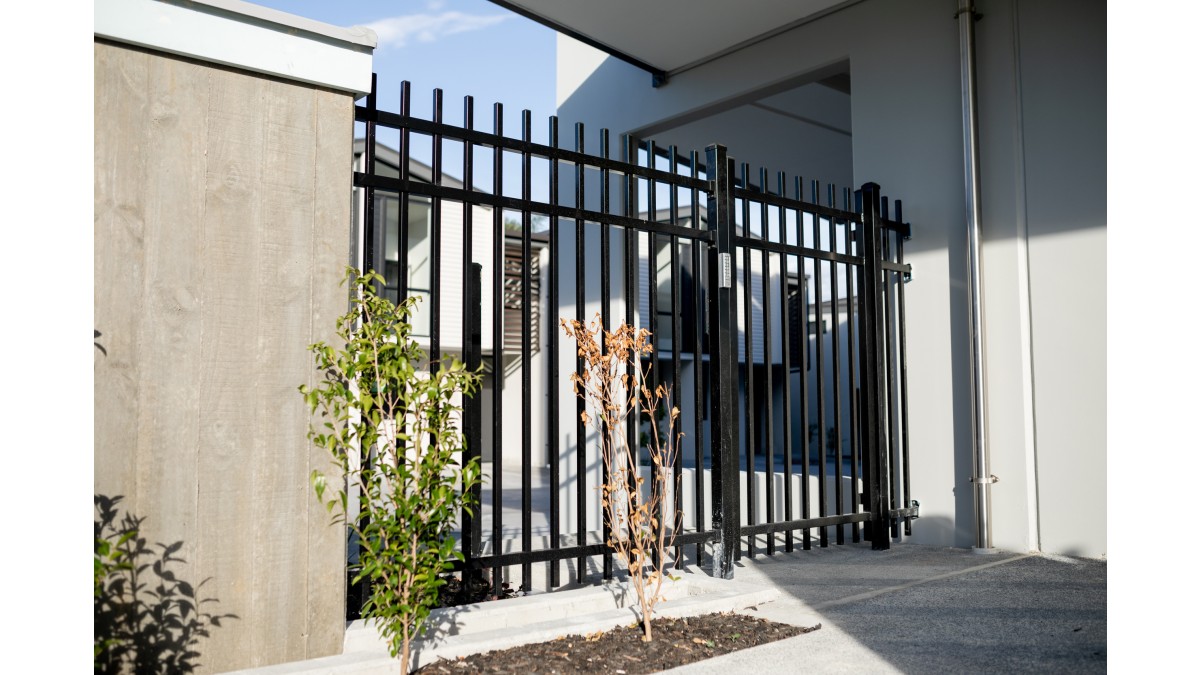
983, 479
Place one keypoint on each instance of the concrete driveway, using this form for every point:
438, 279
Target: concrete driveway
918, 609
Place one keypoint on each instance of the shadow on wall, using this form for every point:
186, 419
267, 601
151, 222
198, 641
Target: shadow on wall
147, 619
938, 528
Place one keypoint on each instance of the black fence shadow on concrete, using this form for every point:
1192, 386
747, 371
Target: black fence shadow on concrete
1032, 614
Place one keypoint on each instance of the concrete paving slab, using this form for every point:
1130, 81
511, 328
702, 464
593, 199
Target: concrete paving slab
925, 609
911, 609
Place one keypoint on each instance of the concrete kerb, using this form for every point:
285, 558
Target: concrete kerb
483, 627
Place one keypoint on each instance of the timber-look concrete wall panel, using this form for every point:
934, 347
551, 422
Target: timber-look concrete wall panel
118, 260
329, 301
221, 237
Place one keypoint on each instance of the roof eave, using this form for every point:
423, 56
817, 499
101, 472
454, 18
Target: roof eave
658, 76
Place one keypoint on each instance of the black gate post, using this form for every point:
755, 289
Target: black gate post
723, 361
472, 526
873, 385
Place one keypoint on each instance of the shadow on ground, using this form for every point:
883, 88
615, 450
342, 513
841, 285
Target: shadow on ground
919, 609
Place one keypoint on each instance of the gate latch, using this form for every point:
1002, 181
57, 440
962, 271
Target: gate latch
726, 270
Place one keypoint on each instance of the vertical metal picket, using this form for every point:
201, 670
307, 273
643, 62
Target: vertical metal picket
552, 376
699, 381
435, 242
369, 228
526, 354
746, 318
472, 522
497, 475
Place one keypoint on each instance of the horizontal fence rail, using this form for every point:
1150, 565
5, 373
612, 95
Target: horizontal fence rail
777, 324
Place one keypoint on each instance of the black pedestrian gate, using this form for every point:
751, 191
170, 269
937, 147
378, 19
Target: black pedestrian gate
779, 323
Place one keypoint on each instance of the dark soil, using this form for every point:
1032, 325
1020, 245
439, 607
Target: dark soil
456, 592
621, 650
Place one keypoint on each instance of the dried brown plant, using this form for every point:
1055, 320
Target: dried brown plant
615, 384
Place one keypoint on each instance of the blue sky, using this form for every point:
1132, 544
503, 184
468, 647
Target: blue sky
462, 46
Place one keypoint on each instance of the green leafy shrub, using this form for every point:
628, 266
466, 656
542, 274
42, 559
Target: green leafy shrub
389, 420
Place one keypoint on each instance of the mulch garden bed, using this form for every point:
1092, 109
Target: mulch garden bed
621, 650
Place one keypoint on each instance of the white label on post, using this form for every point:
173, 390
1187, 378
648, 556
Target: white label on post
726, 270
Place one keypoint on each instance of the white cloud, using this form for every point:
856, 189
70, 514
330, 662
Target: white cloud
399, 31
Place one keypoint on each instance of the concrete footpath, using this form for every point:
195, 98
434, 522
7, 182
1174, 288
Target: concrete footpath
919, 609
911, 609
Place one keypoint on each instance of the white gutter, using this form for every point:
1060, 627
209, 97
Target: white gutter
246, 36
983, 479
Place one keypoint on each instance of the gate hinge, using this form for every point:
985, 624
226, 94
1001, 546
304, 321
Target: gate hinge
916, 507
986, 481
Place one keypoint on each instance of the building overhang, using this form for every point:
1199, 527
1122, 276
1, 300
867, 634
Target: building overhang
668, 37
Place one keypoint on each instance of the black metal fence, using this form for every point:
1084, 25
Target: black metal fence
778, 324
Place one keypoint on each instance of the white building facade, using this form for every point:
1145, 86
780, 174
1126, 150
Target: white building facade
870, 90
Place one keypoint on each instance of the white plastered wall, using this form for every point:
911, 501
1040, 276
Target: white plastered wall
1043, 259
